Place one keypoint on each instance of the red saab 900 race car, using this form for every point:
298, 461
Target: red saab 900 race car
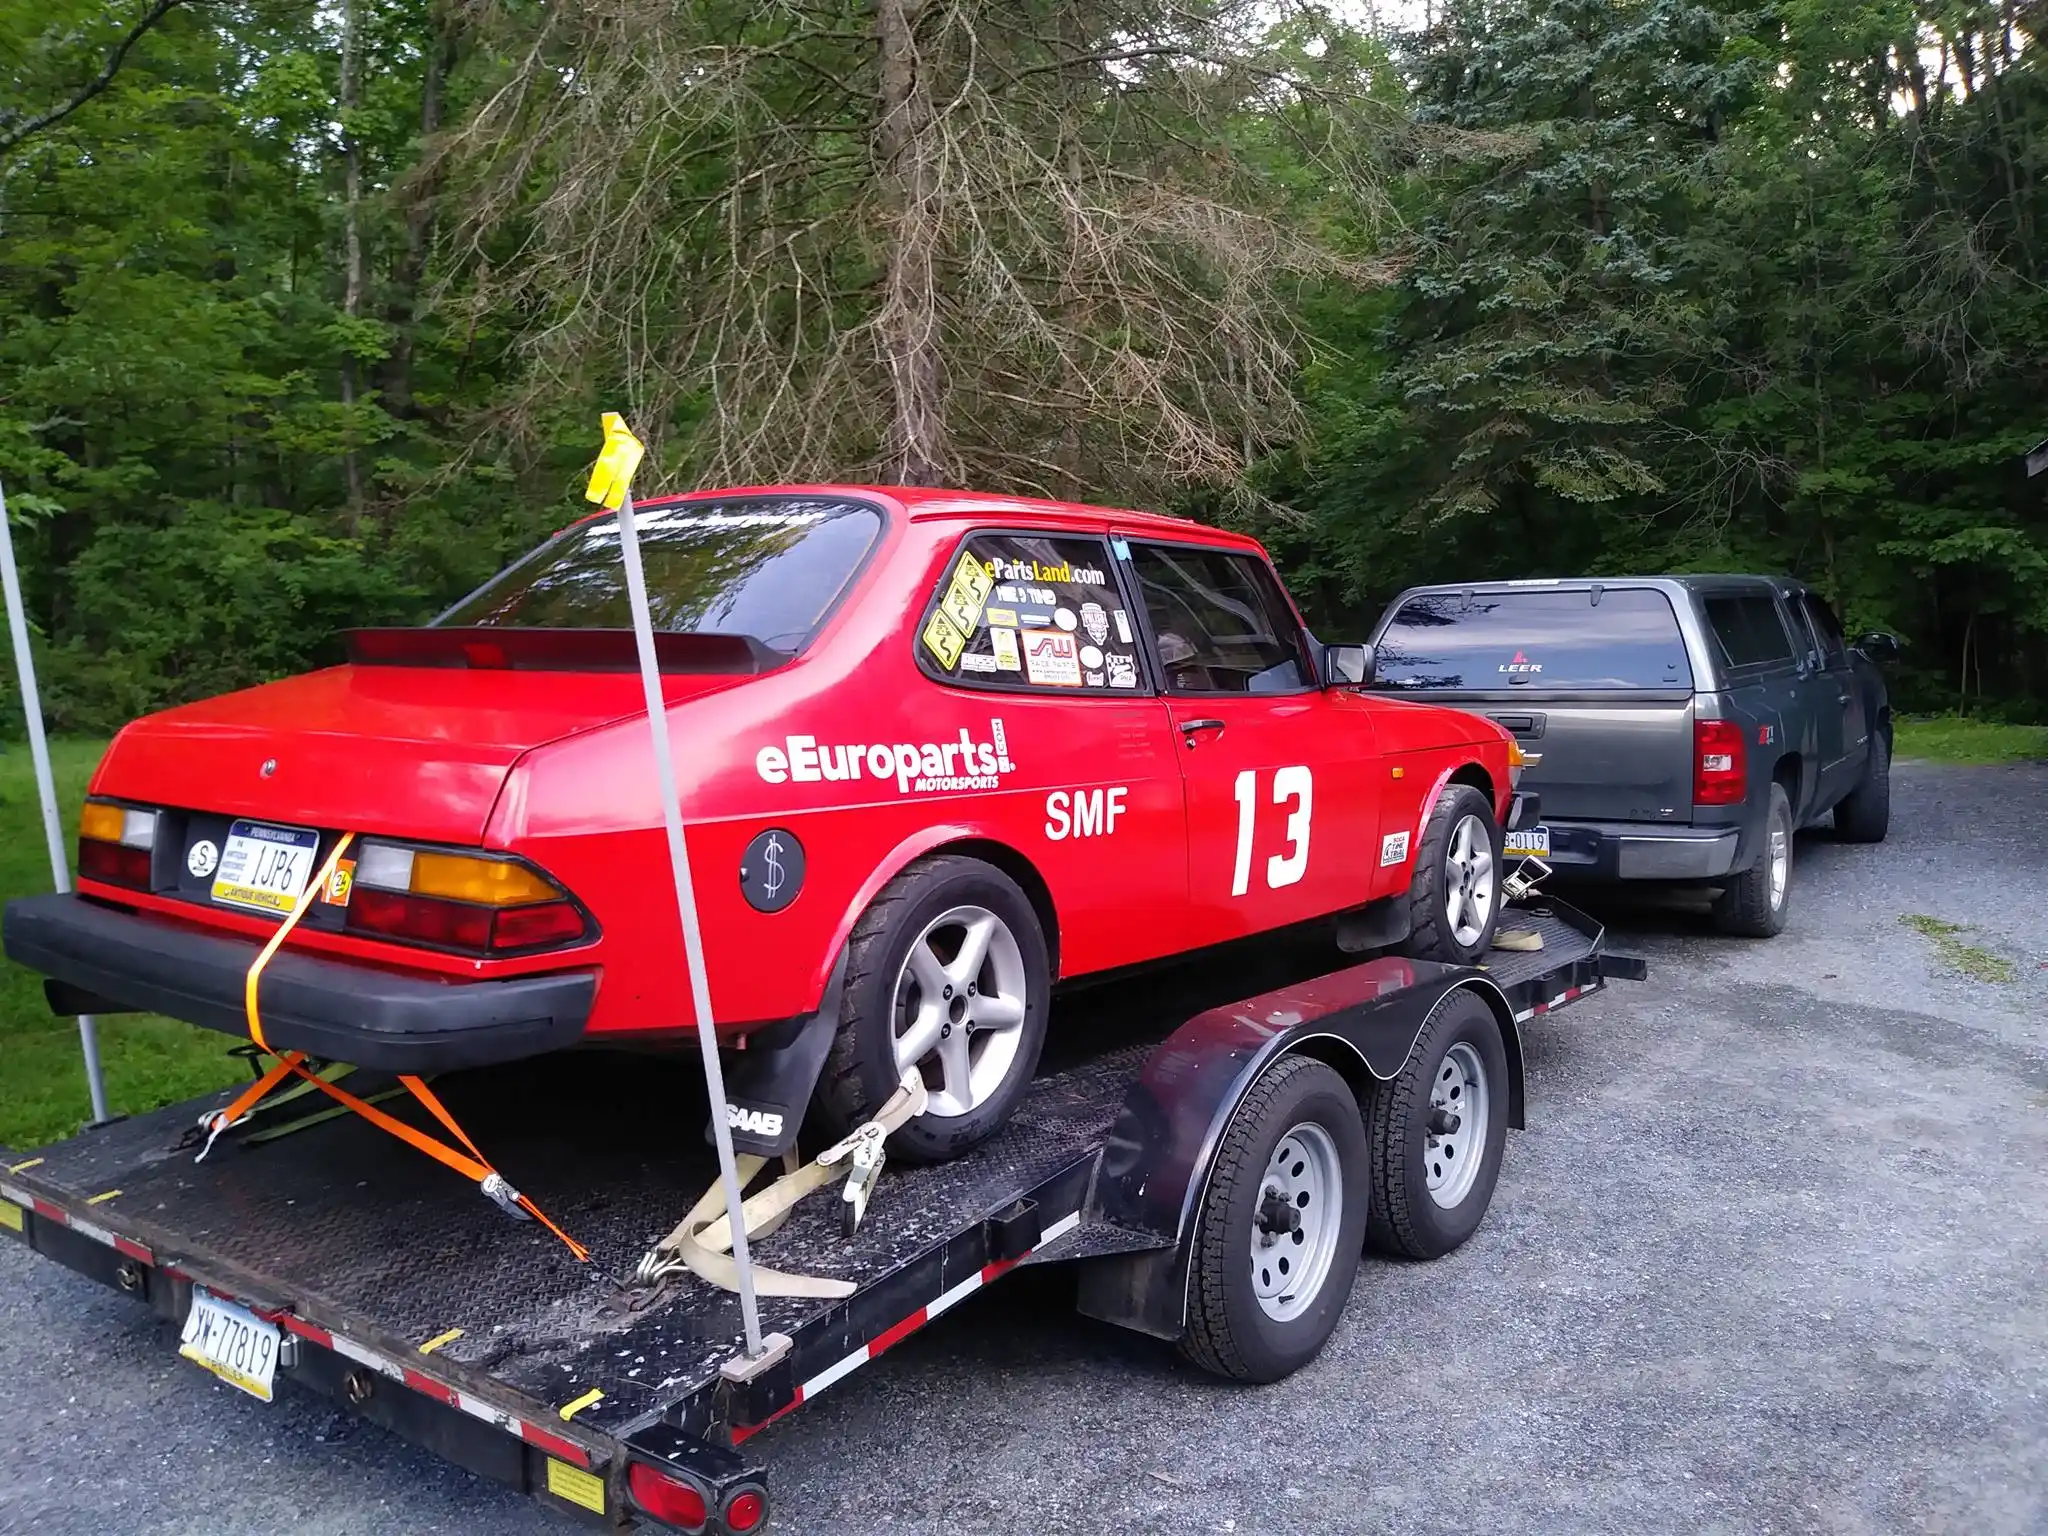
938, 751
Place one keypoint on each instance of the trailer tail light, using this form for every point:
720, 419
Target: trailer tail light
669, 1497
475, 903
746, 1511
116, 843
1720, 763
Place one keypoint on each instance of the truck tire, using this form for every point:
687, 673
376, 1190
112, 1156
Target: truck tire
1753, 905
1437, 1132
1454, 893
911, 982
1281, 1226
1864, 815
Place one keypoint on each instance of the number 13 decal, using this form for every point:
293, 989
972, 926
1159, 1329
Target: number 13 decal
1295, 784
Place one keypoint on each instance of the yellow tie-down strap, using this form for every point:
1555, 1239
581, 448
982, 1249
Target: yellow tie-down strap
466, 1159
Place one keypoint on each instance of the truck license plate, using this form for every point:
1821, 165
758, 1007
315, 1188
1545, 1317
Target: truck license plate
265, 868
1529, 842
230, 1341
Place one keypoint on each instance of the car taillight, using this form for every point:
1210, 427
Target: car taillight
116, 843
1720, 766
669, 1498
476, 903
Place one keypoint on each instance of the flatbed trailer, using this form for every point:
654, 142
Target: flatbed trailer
396, 1291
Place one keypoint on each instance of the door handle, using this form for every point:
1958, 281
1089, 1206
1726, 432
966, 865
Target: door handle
1841, 698
1189, 728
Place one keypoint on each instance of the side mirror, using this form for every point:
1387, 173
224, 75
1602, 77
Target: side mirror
1347, 666
1879, 645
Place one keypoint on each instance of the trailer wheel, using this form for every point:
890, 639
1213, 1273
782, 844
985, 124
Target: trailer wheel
947, 971
1437, 1132
1454, 893
1281, 1226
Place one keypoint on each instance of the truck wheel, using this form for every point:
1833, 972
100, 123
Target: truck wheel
1281, 1226
1864, 815
947, 971
1437, 1132
1454, 893
1753, 905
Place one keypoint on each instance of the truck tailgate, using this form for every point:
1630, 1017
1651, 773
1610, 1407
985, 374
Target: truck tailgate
1611, 757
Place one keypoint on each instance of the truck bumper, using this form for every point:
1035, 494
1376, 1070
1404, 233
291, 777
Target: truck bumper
1608, 850
103, 960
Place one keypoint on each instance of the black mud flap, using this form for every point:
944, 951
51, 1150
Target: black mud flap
771, 1086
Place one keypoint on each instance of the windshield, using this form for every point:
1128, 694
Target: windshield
769, 567
1540, 640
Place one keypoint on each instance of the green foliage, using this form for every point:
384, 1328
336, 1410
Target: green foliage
1954, 739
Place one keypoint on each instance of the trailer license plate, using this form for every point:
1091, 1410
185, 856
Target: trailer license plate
230, 1341
1530, 842
265, 868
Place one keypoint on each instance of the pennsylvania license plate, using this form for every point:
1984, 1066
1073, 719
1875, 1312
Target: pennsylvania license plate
265, 868
230, 1341
1530, 842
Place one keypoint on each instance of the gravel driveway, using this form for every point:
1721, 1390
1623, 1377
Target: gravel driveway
1770, 1257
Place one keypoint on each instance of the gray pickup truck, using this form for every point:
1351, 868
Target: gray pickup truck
1685, 726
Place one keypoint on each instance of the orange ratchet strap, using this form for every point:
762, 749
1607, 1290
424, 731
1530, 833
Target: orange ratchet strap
471, 1164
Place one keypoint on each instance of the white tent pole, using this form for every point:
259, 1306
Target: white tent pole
686, 904
46, 783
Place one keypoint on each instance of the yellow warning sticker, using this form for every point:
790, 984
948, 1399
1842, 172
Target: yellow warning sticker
944, 639
969, 590
10, 1215
575, 1485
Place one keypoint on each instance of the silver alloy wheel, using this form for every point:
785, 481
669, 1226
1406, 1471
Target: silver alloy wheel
960, 1003
1458, 1104
1780, 855
1468, 880
1297, 1222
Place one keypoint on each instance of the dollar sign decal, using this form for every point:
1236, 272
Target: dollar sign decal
773, 854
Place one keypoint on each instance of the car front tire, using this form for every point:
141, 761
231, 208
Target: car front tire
1455, 892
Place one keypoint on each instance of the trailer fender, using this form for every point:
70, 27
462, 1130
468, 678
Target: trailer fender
1160, 1154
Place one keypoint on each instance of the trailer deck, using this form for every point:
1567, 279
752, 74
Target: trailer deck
386, 1272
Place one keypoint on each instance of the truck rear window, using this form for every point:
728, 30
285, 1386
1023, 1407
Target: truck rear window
1540, 639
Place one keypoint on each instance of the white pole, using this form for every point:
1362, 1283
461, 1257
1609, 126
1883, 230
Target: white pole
46, 783
686, 904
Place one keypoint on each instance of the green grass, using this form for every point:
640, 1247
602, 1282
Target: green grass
149, 1061
1953, 739
1949, 948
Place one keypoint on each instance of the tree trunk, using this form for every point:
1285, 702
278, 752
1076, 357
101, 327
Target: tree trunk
352, 240
401, 309
917, 445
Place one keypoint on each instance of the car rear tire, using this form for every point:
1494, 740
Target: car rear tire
1437, 1132
1754, 904
1281, 1227
948, 970
1865, 813
1454, 893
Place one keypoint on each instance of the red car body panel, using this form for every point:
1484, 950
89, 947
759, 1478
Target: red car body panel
1183, 834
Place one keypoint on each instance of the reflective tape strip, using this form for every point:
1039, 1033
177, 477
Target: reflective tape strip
1558, 1001
57, 1215
896, 1334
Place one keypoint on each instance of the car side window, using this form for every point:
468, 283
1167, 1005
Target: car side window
1041, 612
1747, 629
1827, 632
1221, 623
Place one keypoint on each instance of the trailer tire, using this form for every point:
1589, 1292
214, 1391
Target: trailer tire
931, 898
1425, 1203
1293, 1153
1459, 859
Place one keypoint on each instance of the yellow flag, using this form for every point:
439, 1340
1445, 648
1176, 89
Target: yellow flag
612, 475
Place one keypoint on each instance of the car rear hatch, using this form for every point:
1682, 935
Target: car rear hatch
1593, 677
413, 739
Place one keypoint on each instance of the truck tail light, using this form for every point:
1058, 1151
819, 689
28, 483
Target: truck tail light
475, 903
668, 1497
1720, 763
116, 843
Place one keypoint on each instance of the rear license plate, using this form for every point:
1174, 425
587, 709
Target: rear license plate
230, 1341
1530, 842
265, 868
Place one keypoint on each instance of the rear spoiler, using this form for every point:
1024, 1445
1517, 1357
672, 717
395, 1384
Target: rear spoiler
557, 650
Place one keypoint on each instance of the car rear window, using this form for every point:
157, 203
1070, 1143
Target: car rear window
1033, 611
767, 567
1746, 629
1539, 640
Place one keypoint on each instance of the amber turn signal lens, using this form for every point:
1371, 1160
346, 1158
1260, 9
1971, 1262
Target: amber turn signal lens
488, 882
101, 822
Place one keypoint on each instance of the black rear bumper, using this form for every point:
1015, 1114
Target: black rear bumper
103, 960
